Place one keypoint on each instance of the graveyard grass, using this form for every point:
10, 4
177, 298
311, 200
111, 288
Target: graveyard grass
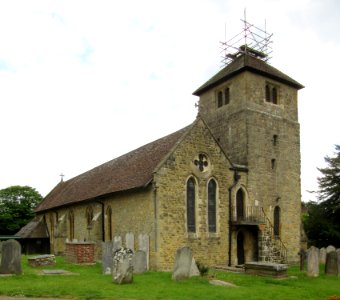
91, 284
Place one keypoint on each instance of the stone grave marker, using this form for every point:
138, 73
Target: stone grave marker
331, 267
107, 248
144, 244
139, 262
11, 258
313, 262
322, 255
185, 265
122, 268
117, 242
330, 248
130, 241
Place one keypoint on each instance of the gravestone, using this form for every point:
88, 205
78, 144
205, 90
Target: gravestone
322, 257
144, 244
313, 262
139, 262
330, 248
107, 248
130, 241
41, 260
185, 265
122, 268
338, 260
11, 258
331, 267
117, 243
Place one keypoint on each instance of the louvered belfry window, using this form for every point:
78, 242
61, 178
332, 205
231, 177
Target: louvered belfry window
212, 206
191, 205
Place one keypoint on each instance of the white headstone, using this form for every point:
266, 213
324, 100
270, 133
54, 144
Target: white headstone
144, 245
130, 241
117, 243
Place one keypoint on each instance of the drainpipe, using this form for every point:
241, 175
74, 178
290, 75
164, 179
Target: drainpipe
236, 179
154, 196
103, 220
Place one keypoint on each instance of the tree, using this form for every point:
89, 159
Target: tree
17, 205
322, 224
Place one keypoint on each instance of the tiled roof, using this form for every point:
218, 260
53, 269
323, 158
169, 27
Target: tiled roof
247, 63
132, 170
34, 229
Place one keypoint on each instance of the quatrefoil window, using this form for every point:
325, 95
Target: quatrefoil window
202, 162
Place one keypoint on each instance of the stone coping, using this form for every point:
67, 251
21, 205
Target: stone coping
81, 243
41, 256
266, 266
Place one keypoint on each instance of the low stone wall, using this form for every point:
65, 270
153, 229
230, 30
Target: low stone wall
80, 252
41, 260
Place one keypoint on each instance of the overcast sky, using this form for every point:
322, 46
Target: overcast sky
82, 82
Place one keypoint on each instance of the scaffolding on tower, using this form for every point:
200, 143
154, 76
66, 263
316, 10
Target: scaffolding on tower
251, 40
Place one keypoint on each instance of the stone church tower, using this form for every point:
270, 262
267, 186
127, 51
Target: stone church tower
251, 108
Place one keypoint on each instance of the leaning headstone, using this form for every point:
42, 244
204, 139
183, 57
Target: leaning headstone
185, 265
139, 262
144, 244
331, 267
313, 262
130, 241
330, 248
117, 242
122, 268
323, 255
107, 257
338, 260
11, 258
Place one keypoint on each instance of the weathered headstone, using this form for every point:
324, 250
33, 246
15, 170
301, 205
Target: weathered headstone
11, 258
130, 241
117, 243
185, 265
313, 262
122, 268
144, 244
330, 248
331, 267
107, 248
338, 260
139, 262
322, 256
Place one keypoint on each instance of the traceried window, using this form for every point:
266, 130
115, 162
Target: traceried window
71, 224
109, 222
212, 205
89, 216
191, 200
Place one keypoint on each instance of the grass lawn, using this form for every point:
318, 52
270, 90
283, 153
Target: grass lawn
91, 284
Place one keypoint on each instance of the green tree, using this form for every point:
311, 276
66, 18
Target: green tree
322, 224
17, 205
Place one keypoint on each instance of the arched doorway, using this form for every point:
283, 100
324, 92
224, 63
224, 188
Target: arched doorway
239, 205
240, 248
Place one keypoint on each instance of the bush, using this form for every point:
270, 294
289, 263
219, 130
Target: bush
202, 268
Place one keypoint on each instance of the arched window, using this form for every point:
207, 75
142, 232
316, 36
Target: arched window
109, 222
274, 95
191, 195
240, 205
219, 99
89, 216
212, 205
267, 93
226, 96
277, 221
71, 224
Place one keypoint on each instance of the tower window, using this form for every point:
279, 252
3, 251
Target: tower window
275, 139
273, 163
223, 97
219, 99
271, 94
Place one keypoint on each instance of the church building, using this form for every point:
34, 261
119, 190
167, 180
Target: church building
227, 186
